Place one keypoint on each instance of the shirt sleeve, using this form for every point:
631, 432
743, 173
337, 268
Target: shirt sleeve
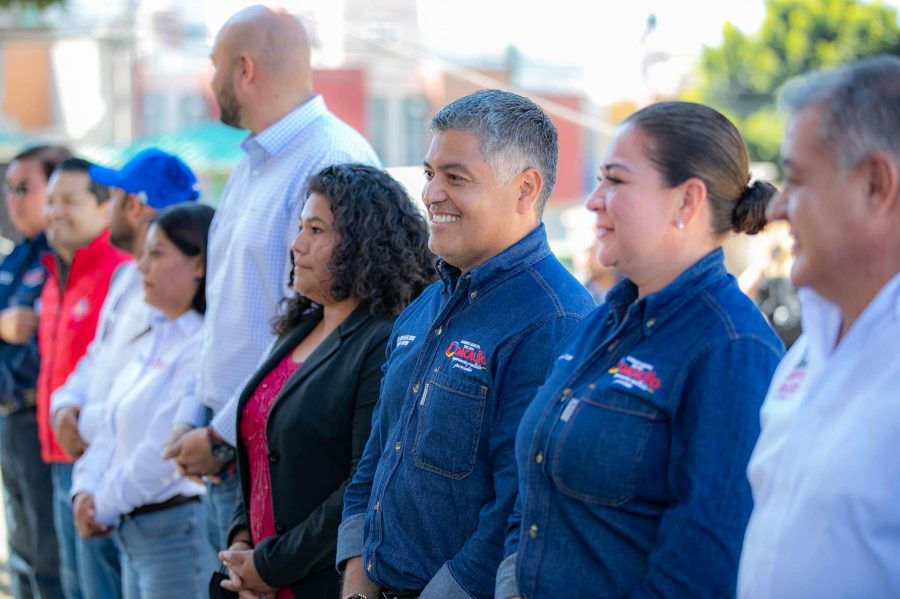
474, 568
19, 369
700, 536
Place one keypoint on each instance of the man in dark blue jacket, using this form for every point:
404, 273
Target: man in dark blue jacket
426, 512
34, 555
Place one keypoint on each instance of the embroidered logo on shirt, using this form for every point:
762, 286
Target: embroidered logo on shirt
466, 355
631, 372
404, 340
33, 277
793, 381
80, 309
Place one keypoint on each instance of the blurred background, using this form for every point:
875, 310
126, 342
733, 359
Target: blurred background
111, 77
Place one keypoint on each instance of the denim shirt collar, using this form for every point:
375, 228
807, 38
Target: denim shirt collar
657, 307
517, 257
279, 135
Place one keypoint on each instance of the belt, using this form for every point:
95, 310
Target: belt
163, 505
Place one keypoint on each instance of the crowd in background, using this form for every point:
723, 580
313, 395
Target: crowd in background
317, 390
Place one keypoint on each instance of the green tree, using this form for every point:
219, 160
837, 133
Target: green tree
742, 76
39, 4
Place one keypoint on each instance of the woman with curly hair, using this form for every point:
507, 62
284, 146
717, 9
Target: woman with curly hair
360, 258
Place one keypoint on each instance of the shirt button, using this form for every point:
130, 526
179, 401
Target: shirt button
273, 457
369, 567
279, 527
539, 457
532, 531
474, 294
591, 387
651, 323
565, 395
377, 505
397, 446
438, 330
415, 388
615, 344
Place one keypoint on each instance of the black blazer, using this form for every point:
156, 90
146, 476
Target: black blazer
317, 429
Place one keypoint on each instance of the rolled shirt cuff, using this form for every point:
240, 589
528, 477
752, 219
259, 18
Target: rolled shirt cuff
192, 412
349, 541
506, 585
444, 586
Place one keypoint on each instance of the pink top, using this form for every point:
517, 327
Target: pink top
253, 434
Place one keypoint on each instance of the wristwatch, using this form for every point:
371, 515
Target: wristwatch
221, 450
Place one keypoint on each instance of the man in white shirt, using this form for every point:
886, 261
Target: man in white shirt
262, 83
825, 472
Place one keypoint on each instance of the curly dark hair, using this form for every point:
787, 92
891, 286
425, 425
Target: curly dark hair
382, 256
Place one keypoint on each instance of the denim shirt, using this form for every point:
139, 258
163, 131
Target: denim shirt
632, 457
429, 504
22, 277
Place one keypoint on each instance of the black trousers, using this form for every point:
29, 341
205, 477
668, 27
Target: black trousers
34, 552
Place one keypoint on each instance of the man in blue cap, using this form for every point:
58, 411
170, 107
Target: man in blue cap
149, 182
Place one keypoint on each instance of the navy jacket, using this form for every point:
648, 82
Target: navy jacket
22, 277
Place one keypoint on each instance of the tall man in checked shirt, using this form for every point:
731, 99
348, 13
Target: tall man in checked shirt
262, 83
426, 511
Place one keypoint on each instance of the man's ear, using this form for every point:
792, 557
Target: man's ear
883, 179
245, 70
530, 184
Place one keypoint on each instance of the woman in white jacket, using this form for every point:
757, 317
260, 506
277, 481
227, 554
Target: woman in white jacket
121, 484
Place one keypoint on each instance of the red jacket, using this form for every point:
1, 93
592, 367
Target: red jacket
68, 321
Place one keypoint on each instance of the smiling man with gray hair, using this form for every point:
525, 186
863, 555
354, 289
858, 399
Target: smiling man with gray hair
825, 473
426, 512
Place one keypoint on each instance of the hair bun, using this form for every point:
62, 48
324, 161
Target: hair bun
749, 214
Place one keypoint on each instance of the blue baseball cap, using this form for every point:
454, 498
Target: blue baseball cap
161, 179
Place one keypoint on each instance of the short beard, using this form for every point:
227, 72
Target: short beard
229, 109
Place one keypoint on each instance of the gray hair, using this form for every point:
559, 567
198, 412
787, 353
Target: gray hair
514, 132
859, 107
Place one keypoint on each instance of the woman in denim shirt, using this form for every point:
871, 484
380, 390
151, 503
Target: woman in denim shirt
632, 457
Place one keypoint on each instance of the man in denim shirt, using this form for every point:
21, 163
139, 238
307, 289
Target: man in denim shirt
426, 511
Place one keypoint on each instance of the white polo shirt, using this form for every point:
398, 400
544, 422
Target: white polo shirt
825, 472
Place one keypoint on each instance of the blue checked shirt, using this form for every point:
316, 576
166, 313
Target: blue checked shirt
248, 261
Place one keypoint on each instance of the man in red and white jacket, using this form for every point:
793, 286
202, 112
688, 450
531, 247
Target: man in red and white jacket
79, 273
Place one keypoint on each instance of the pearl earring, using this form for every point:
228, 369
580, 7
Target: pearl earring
679, 224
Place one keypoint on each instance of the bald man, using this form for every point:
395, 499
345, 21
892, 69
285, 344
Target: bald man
262, 83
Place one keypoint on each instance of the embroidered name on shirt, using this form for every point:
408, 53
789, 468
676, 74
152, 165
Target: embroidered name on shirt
793, 381
33, 277
404, 340
466, 355
631, 372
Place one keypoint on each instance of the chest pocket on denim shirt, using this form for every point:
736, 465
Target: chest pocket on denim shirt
451, 415
601, 445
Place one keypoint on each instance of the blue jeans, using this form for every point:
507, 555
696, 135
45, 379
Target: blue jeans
165, 554
33, 550
220, 500
89, 568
